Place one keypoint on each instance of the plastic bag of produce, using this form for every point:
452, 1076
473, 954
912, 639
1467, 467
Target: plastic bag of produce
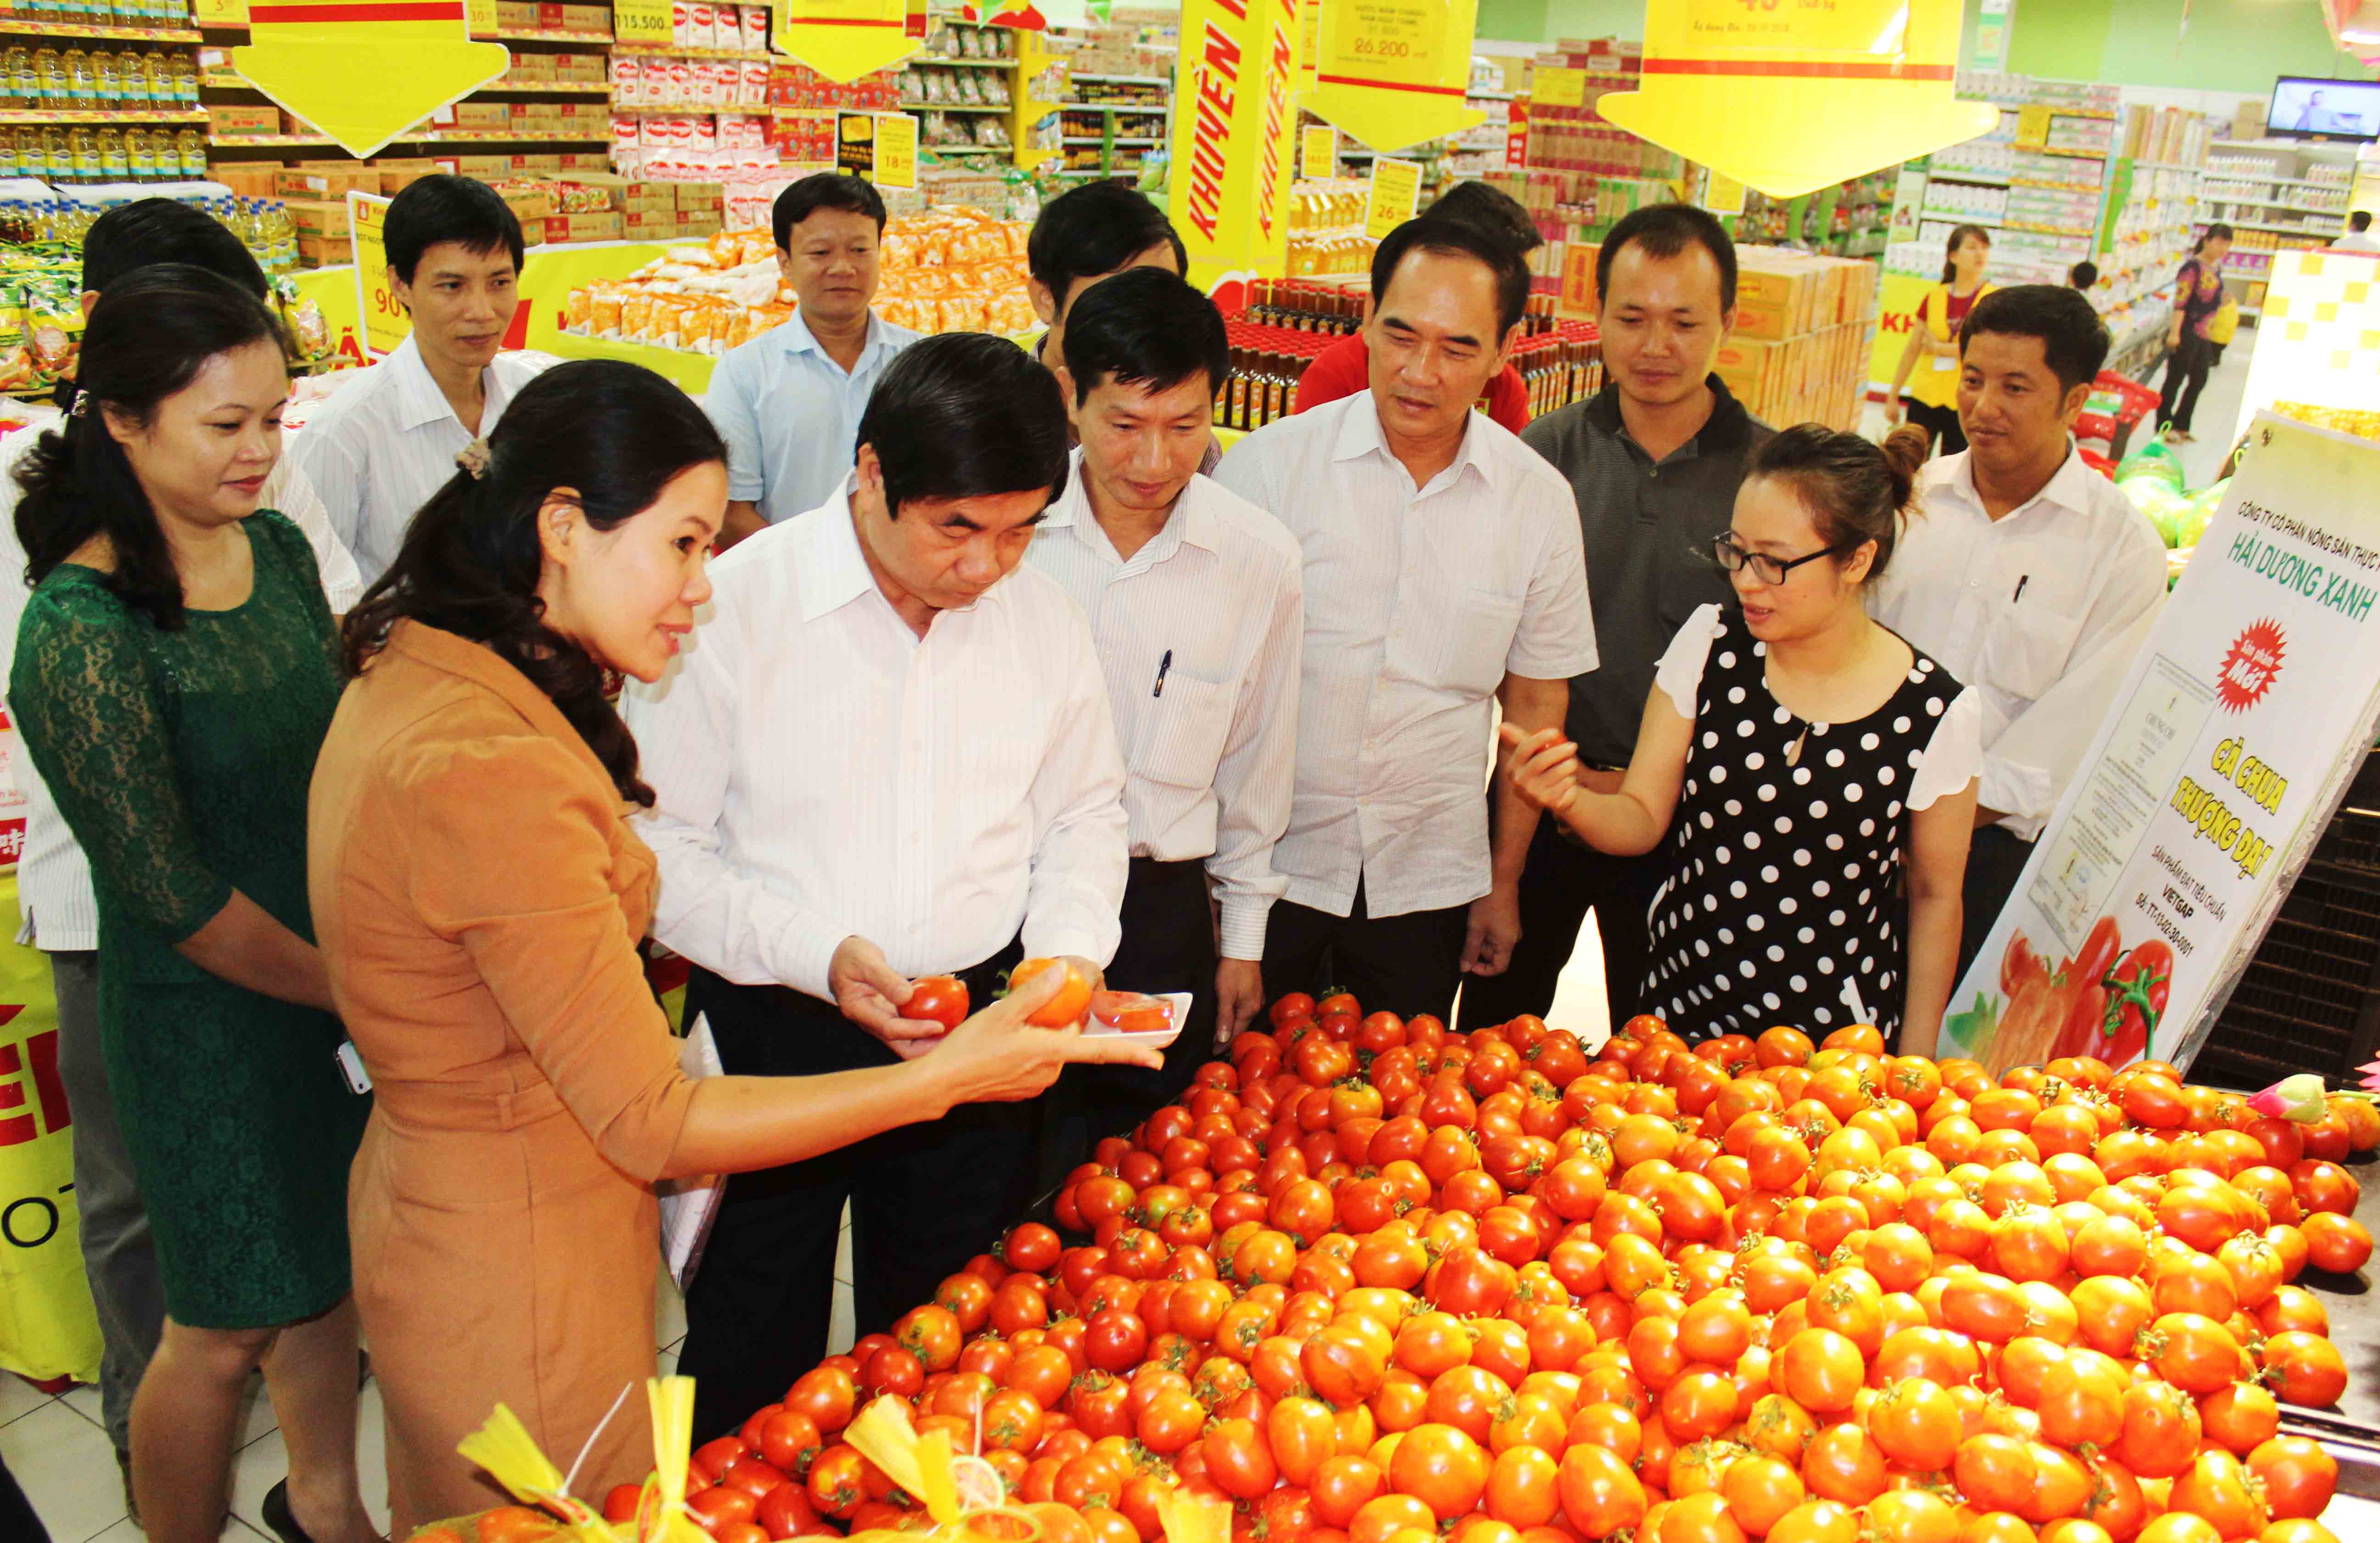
2153, 459
504, 1447
2196, 511
2162, 501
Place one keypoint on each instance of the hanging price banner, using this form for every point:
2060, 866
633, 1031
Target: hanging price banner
1394, 72
896, 151
641, 21
1552, 86
1317, 151
363, 74
220, 12
1721, 193
385, 322
1790, 96
1396, 193
1234, 137
843, 40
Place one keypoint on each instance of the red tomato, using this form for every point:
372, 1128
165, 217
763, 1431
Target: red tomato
1073, 998
2098, 955
941, 999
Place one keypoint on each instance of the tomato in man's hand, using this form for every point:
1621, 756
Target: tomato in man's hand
1073, 998
940, 999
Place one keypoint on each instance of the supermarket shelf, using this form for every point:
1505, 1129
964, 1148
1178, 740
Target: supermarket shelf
1094, 171
77, 29
229, 80
1962, 217
697, 109
938, 59
1109, 107
1951, 173
673, 51
38, 116
267, 141
503, 34
2168, 167
952, 107
1097, 139
1120, 79
1476, 94
2280, 230
2068, 154
456, 136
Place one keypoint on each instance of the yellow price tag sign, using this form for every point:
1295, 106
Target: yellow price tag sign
896, 151
640, 21
843, 40
1317, 151
1553, 86
385, 321
1876, 26
1309, 57
478, 17
1721, 193
2032, 126
1396, 72
1395, 195
220, 12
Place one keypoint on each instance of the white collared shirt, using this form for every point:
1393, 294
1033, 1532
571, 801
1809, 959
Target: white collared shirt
790, 414
1212, 603
1418, 603
384, 442
59, 909
822, 771
2040, 612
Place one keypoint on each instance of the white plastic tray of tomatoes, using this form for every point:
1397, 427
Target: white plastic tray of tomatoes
1373, 1282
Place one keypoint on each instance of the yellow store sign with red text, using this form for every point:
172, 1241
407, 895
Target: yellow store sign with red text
1234, 121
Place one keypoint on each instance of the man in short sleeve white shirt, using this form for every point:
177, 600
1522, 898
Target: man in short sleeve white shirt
2027, 575
1443, 570
387, 440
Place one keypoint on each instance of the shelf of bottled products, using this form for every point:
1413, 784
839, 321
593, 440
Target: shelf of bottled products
114, 35
40, 116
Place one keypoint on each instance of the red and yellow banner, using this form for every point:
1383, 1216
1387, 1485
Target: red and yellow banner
1234, 123
843, 40
365, 72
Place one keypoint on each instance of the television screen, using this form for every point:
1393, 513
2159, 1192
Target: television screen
2305, 106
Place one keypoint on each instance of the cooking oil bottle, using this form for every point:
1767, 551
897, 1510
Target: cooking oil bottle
113, 166
191, 152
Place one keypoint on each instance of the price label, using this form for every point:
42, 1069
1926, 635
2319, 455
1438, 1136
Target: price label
1318, 152
855, 143
1309, 58
2032, 126
1396, 193
896, 150
1395, 41
1874, 27
640, 21
220, 12
1721, 193
1556, 87
478, 17
385, 321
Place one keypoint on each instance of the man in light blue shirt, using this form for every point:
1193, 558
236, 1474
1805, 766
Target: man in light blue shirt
788, 402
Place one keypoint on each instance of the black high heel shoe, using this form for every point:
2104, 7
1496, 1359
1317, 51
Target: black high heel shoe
280, 1518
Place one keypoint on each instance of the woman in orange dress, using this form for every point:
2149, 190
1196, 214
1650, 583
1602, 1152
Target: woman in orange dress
480, 894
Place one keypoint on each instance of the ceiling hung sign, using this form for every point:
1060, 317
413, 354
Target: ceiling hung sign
843, 40
364, 73
1790, 95
1394, 73
1233, 146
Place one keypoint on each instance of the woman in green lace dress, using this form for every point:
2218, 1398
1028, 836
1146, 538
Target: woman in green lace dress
176, 671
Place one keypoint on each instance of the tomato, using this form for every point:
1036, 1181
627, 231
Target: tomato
2098, 952
1073, 998
940, 999
1239, 1459
1601, 1494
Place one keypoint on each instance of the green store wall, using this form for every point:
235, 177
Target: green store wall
2236, 45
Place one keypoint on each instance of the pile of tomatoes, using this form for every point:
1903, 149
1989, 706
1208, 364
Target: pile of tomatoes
1373, 1282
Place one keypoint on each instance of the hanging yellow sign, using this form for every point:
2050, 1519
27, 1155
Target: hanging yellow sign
1395, 72
1721, 193
896, 151
386, 324
2033, 126
1317, 151
1395, 195
1553, 86
843, 40
364, 73
1309, 53
641, 21
220, 12
1790, 96
1235, 133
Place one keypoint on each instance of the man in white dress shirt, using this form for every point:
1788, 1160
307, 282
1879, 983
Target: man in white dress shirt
2024, 572
388, 439
885, 755
60, 914
1443, 568
788, 401
1193, 597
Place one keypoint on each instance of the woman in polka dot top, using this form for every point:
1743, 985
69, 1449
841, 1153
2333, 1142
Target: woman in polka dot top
1809, 776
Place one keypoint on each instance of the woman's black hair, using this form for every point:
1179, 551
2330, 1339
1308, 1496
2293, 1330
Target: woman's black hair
966, 415
617, 434
1958, 239
149, 334
2217, 229
1855, 491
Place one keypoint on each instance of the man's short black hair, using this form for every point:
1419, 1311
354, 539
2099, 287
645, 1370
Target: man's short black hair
1492, 209
853, 195
2359, 222
1664, 230
447, 208
966, 415
2073, 340
1094, 229
161, 230
2082, 275
1145, 327
1458, 237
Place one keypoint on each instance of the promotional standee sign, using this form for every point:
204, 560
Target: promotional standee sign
2224, 755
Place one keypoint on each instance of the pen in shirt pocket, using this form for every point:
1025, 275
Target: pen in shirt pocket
2023, 579
1163, 665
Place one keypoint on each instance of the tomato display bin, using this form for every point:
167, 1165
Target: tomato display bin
2351, 1435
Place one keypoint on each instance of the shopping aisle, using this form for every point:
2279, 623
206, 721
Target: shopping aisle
2217, 411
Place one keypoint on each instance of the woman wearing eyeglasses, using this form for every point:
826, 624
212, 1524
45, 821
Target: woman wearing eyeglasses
1813, 775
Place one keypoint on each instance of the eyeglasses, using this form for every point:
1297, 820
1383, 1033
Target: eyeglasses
1734, 556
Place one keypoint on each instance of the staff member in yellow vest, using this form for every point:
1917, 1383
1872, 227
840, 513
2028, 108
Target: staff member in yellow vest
1929, 396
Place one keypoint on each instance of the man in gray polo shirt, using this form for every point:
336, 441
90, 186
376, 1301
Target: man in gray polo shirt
1655, 459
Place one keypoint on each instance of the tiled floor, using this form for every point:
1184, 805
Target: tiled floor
58, 1450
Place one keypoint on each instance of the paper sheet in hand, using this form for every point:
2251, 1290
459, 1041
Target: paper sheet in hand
689, 1204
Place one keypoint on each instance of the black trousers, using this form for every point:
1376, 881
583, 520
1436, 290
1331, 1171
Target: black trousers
924, 1199
1941, 422
1407, 965
1168, 945
1565, 878
2185, 377
1995, 859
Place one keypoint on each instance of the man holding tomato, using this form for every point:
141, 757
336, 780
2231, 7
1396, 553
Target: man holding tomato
1194, 599
886, 755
